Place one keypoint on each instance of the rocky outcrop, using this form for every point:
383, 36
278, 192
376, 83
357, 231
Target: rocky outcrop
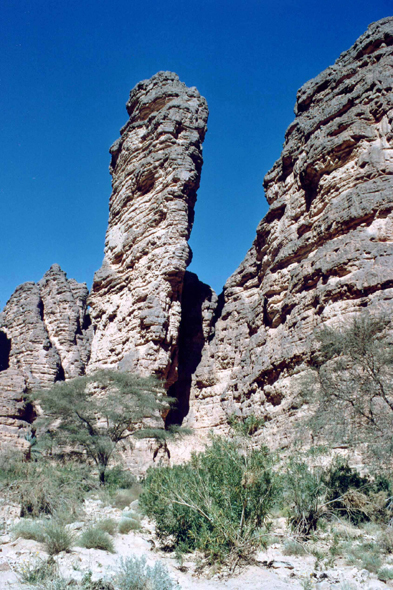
156, 165
323, 252
44, 337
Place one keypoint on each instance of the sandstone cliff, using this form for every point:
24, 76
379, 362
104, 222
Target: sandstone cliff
156, 165
44, 337
323, 252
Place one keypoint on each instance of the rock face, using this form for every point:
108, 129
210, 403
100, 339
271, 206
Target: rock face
323, 252
156, 165
44, 337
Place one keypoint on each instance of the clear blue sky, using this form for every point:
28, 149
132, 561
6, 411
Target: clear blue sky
66, 69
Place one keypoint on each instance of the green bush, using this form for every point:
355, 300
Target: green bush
292, 547
37, 571
356, 497
48, 488
218, 502
385, 573
108, 525
57, 538
123, 498
128, 524
29, 529
365, 555
135, 574
95, 538
385, 540
53, 534
117, 477
304, 496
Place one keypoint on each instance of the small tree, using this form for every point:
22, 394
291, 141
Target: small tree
97, 412
353, 385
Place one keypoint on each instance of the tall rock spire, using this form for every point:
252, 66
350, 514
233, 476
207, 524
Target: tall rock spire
156, 165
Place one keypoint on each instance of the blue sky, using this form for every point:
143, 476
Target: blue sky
66, 69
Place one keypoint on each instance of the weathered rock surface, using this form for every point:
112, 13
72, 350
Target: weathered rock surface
156, 164
44, 337
323, 252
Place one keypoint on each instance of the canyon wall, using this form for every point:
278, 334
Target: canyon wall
323, 252
45, 336
156, 165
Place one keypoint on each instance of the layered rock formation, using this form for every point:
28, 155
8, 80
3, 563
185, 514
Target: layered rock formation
44, 337
156, 165
323, 252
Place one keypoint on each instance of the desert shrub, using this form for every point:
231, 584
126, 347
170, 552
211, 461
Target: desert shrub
358, 498
12, 465
351, 386
123, 498
117, 477
385, 573
128, 524
135, 574
365, 555
246, 425
36, 571
108, 525
57, 537
292, 547
304, 496
48, 488
29, 529
95, 538
218, 502
385, 539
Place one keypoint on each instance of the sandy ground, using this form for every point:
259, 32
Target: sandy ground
271, 570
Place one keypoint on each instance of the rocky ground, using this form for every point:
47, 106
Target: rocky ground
270, 570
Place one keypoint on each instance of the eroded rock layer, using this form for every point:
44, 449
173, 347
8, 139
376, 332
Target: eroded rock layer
44, 337
323, 252
156, 165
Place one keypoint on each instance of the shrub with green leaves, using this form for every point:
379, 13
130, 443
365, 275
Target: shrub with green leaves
218, 502
57, 537
128, 524
304, 496
385, 573
95, 414
135, 574
37, 571
357, 497
108, 525
29, 529
47, 488
95, 538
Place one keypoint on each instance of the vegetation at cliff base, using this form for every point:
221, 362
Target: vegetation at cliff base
219, 502
98, 412
352, 385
